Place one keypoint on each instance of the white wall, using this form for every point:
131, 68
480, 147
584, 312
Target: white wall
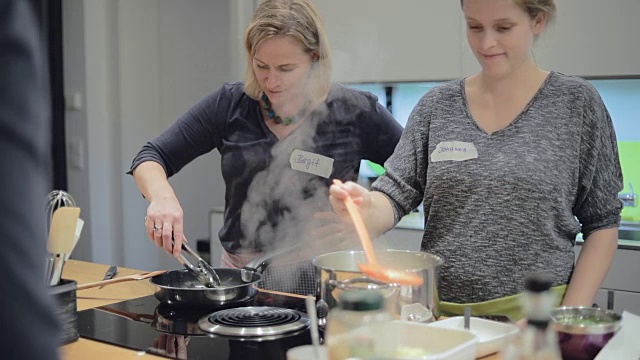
138, 66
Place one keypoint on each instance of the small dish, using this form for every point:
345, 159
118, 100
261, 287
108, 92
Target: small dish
584, 331
492, 336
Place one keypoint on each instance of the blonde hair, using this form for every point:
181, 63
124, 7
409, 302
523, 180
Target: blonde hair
301, 20
535, 7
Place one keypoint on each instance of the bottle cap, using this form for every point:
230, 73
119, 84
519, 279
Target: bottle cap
538, 282
361, 300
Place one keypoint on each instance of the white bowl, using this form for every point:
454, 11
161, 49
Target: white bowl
492, 336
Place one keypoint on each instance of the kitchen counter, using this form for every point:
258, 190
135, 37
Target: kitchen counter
85, 272
415, 221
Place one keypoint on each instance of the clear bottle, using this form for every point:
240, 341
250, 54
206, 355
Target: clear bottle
538, 340
348, 334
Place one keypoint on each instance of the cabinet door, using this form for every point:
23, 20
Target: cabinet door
400, 239
626, 301
382, 40
592, 38
602, 299
625, 264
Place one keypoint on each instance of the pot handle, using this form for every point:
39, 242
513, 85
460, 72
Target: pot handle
349, 284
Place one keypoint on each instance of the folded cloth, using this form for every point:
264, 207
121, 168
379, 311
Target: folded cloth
507, 306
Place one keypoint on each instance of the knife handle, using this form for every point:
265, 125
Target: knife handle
111, 272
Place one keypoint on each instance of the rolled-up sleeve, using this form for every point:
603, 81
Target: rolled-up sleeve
196, 132
404, 180
600, 177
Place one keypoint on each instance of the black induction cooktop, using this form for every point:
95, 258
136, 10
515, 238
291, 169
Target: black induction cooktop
145, 324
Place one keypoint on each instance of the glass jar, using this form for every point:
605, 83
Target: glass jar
538, 340
348, 334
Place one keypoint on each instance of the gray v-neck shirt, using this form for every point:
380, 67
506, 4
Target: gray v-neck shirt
517, 207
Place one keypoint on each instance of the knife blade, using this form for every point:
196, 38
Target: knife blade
111, 272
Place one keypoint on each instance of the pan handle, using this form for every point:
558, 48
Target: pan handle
260, 263
144, 318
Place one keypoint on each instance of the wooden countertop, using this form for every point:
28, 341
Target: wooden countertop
86, 272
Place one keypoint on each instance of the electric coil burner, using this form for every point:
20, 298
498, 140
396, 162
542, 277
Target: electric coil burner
254, 321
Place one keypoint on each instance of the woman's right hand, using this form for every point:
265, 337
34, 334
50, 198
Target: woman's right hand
374, 207
164, 222
164, 214
339, 192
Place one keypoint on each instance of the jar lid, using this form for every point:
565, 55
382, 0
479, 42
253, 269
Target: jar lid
361, 300
538, 282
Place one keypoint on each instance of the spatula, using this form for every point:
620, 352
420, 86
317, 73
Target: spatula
61, 238
77, 234
63, 230
372, 269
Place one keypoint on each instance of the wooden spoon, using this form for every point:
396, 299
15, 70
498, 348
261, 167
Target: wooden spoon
140, 276
372, 269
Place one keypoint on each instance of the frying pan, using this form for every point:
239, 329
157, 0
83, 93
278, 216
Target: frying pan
182, 287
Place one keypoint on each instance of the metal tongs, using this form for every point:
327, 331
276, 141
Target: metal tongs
203, 271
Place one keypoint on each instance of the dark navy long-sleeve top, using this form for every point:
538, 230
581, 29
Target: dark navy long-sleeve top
265, 198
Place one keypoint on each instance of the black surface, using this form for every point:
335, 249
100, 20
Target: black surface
139, 320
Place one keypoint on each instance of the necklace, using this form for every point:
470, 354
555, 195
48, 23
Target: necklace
266, 104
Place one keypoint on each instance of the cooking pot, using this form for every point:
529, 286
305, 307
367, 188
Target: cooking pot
338, 271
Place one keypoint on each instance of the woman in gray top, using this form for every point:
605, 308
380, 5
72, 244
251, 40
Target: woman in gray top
282, 134
510, 164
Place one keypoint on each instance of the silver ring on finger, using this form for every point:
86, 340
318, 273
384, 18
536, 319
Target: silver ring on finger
156, 228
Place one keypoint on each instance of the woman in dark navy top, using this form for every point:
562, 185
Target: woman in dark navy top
283, 134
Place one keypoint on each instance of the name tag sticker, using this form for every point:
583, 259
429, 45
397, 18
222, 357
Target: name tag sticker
311, 163
454, 151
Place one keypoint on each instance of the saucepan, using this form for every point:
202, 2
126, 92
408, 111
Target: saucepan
339, 271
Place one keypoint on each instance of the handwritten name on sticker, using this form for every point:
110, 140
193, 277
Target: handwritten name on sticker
454, 151
311, 163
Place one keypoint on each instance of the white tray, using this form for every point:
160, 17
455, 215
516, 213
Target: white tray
492, 336
394, 339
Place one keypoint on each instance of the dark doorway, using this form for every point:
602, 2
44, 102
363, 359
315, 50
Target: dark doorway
50, 18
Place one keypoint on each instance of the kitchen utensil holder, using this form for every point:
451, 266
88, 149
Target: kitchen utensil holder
66, 309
